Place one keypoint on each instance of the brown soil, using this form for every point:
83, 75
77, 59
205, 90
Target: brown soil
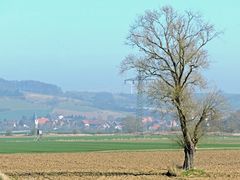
117, 165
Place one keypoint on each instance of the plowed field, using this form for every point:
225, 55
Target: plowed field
117, 165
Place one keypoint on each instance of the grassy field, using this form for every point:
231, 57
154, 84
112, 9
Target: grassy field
115, 157
53, 144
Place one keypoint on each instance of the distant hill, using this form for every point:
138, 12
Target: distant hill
106, 100
24, 98
233, 100
20, 99
17, 88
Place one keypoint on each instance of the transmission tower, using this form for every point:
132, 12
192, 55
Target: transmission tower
139, 84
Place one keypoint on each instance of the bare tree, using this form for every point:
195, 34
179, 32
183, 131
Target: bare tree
171, 51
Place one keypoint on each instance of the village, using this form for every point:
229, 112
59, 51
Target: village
61, 124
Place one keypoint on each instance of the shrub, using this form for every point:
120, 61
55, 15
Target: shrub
8, 133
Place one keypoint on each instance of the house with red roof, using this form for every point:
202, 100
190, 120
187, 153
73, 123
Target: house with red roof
42, 120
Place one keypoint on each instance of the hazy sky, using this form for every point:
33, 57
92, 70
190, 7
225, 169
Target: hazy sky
79, 44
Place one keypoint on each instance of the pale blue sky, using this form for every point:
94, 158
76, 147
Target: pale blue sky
79, 44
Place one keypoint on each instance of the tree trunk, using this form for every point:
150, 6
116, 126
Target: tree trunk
189, 152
